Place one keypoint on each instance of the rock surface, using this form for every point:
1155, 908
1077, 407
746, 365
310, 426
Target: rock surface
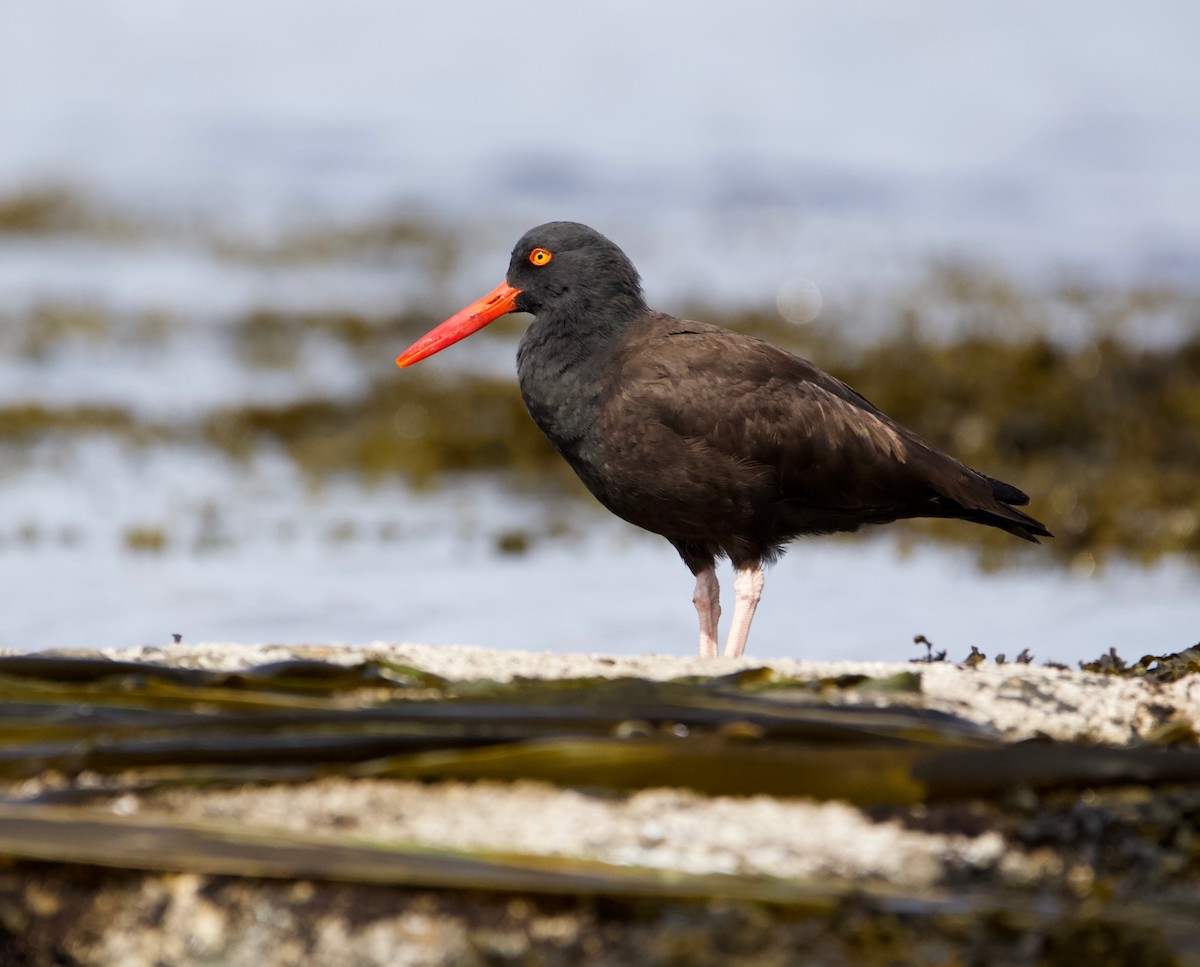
1066, 850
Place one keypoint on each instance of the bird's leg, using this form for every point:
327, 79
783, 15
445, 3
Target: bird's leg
707, 599
748, 589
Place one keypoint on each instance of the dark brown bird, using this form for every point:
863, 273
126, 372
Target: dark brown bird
722, 443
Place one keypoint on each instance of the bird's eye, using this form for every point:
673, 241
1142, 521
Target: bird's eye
539, 256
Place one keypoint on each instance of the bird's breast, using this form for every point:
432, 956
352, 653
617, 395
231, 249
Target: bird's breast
562, 387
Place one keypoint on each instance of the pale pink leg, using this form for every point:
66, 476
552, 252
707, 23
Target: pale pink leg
748, 589
707, 599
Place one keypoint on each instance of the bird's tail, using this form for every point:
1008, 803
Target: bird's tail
1003, 513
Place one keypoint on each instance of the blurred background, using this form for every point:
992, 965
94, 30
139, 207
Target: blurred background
220, 222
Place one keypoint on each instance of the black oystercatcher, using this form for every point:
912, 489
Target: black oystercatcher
724, 444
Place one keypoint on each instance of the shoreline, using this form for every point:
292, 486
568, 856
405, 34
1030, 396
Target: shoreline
748, 879
1019, 701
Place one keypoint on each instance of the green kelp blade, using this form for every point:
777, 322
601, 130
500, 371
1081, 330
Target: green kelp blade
295, 675
153, 692
1036, 764
113, 726
85, 836
70, 668
85, 737
72, 834
862, 774
302, 674
285, 673
107, 722
766, 680
712, 703
604, 707
790, 708
714, 766
116, 754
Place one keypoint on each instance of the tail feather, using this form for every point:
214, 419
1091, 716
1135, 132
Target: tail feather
1006, 493
1013, 521
1005, 516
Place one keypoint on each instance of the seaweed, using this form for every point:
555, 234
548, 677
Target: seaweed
752, 733
93, 729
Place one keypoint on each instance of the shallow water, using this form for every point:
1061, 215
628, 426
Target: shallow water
607, 593
254, 555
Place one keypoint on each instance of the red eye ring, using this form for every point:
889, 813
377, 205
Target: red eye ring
539, 256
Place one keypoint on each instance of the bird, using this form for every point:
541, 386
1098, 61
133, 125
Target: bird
721, 442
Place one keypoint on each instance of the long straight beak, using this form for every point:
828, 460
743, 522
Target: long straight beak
500, 301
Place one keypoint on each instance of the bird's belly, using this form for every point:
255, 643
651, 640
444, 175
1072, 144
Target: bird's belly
674, 486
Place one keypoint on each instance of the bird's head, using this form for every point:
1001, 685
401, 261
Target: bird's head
562, 269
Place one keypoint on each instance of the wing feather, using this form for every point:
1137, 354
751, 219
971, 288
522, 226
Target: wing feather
827, 444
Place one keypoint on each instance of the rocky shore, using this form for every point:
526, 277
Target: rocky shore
1034, 874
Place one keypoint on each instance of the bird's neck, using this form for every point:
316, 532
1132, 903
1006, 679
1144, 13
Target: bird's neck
575, 330
554, 346
562, 367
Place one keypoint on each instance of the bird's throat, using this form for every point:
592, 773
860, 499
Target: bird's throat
561, 367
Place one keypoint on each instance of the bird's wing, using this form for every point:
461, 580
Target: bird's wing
827, 444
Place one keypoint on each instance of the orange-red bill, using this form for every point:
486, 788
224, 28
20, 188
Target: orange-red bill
498, 302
